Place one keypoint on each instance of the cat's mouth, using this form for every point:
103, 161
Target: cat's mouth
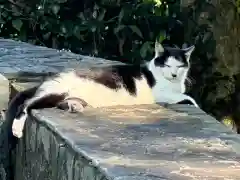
171, 79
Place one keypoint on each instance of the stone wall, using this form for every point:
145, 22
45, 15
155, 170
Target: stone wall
123, 143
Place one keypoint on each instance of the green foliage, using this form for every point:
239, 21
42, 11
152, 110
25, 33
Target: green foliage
112, 29
238, 5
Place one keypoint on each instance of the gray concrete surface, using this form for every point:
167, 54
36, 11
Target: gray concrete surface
139, 142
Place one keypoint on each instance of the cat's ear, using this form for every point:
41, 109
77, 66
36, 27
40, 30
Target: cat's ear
158, 49
188, 51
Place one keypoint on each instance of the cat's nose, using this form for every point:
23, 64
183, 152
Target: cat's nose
174, 75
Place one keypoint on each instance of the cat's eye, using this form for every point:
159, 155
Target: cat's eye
181, 66
166, 65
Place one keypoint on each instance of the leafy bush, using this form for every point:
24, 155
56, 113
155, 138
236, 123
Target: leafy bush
117, 29
238, 5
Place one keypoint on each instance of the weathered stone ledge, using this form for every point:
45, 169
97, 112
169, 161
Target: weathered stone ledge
18, 58
147, 142
139, 142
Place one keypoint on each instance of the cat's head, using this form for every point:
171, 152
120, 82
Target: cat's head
171, 63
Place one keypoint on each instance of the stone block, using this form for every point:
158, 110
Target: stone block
4, 92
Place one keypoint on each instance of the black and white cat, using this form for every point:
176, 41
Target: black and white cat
160, 80
170, 66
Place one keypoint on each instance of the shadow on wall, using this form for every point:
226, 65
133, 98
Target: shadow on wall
7, 151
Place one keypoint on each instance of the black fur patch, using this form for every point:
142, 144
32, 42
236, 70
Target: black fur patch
186, 101
16, 105
121, 75
48, 101
173, 52
20, 111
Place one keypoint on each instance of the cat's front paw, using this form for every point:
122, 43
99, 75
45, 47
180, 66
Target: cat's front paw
72, 105
17, 127
18, 124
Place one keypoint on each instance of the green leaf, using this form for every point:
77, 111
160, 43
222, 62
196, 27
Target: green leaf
158, 3
55, 9
228, 121
136, 30
4, 14
46, 36
119, 28
61, 1
78, 31
144, 49
162, 35
101, 16
17, 24
9, 18
93, 28
2, 21
78, 28
120, 16
63, 29
43, 25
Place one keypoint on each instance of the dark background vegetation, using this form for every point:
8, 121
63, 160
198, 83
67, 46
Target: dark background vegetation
125, 30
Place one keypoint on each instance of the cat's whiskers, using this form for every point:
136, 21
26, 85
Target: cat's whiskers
190, 81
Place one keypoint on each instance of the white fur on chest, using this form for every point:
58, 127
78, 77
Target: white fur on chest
164, 85
95, 94
171, 93
166, 91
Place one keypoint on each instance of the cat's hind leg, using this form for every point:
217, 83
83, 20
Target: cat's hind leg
19, 121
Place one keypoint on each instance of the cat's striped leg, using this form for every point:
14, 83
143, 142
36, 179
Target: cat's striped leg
71, 104
40, 101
